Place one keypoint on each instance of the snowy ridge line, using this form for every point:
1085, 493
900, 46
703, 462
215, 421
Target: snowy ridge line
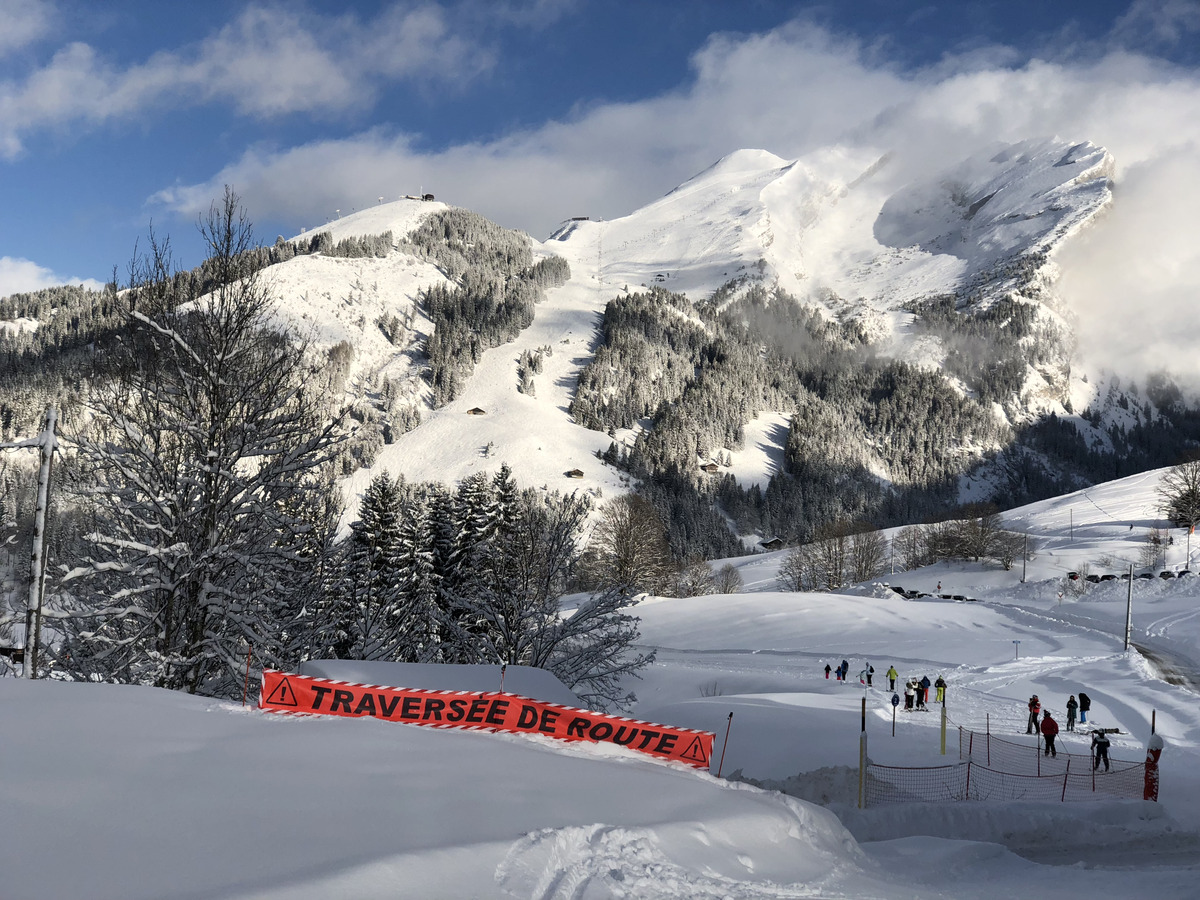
435, 693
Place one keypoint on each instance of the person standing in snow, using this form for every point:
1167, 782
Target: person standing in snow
940, 685
828, 669
845, 669
1072, 705
892, 675
1100, 744
924, 683
910, 694
870, 672
1035, 708
1085, 705
1049, 732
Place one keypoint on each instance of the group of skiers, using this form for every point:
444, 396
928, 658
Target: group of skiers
1083, 705
866, 676
840, 671
916, 693
1048, 728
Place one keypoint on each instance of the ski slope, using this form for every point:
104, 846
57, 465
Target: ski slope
131, 792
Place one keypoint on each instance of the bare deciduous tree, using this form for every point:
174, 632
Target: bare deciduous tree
728, 580
202, 464
628, 549
1179, 491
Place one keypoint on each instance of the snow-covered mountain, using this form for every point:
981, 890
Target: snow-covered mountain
843, 231
952, 274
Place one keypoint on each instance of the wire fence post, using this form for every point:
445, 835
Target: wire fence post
1066, 775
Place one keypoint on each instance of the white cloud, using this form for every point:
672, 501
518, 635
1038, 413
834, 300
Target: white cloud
270, 61
21, 275
792, 91
22, 22
1158, 23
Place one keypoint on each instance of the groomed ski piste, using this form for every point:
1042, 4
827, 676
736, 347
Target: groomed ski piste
132, 792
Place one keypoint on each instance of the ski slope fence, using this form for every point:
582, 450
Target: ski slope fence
992, 768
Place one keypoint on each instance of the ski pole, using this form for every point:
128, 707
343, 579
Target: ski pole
721, 764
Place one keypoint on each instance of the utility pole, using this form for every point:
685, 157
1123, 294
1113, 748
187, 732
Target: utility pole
37, 559
46, 442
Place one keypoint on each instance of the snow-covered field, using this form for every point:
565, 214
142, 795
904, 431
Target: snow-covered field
126, 792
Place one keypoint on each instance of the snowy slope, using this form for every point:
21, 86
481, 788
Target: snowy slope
840, 228
126, 792
836, 228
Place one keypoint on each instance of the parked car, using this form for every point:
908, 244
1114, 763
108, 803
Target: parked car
1166, 574
1108, 576
1074, 576
1094, 579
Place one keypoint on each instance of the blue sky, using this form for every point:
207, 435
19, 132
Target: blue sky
116, 115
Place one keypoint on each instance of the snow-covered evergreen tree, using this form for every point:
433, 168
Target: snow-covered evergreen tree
368, 595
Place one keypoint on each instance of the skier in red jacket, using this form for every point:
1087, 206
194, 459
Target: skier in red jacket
1035, 707
1049, 732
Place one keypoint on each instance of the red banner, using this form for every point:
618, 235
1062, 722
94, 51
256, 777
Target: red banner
484, 711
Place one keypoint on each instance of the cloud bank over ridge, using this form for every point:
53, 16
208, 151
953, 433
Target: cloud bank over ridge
793, 91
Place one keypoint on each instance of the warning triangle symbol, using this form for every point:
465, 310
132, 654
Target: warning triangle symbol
283, 695
695, 752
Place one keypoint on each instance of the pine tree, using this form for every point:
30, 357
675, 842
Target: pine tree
370, 587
